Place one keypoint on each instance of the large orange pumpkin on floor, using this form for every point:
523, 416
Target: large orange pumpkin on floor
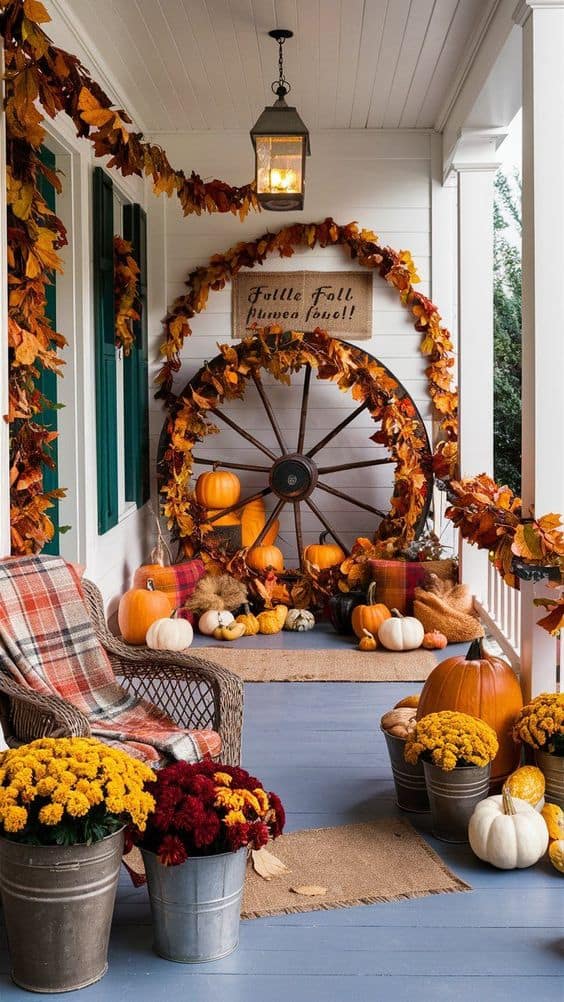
138, 609
218, 489
483, 686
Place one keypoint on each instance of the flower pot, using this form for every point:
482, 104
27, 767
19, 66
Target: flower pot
552, 767
409, 780
453, 796
58, 904
196, 906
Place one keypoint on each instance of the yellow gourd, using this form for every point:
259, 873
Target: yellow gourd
269, 621
233, 631
556, 854
554, 817
527, 783
281, 612
367, 642
249, 621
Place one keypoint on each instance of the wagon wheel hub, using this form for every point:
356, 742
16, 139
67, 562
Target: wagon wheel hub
293, 477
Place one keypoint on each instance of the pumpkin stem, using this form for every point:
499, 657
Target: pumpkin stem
370, 593
396, 614
508, 805
150, 584
367, 633
475, 651
323, 536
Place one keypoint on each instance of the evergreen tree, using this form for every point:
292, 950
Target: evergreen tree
507, 331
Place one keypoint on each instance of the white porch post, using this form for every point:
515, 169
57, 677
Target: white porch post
543, 301
474, 160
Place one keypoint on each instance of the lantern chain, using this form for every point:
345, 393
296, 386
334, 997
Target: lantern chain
280, 87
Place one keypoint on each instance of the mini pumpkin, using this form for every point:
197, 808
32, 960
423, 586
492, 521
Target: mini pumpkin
401, 633
434, 641
249, 621
214, 618
261, 558
527, 783
554, 817
507, 832
169, 634
323, 554
370, 616
368, 642
233, 631
299, 620
269, 621
556, 854
138, 609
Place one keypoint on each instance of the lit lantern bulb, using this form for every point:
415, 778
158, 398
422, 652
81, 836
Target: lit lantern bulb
283, 179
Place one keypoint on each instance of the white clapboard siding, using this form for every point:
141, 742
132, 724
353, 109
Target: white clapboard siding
382, 180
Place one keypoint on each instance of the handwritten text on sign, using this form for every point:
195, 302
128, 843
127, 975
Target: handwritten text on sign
337, 301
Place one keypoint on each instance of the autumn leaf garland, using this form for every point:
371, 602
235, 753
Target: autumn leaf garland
126, 293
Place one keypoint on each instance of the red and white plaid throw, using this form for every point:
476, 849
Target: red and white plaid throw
48, 644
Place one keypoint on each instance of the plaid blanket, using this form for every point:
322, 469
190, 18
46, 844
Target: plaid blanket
48, 644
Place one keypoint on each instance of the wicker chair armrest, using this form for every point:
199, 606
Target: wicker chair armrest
32, 715
226, 688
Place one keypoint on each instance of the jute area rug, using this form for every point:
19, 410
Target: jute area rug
321, 666
353, 865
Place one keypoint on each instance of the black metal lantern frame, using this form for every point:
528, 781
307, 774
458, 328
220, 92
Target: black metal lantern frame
281, 144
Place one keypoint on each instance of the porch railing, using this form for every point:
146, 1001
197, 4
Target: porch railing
500, 609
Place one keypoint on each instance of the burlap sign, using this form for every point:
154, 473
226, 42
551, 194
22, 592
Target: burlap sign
337, 301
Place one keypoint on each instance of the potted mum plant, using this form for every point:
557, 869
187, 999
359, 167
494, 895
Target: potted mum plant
64, 805
195, 846
540, 725
457, 751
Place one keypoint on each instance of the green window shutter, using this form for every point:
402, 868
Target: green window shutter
104, 327
135, 375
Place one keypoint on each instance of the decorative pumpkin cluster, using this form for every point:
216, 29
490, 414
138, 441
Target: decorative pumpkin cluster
449, 738
205, 809
541, 723
71, 790
126, 293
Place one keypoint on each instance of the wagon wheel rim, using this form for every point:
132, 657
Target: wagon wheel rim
294, 474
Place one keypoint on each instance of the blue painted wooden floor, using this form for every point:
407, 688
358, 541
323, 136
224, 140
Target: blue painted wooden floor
319, 746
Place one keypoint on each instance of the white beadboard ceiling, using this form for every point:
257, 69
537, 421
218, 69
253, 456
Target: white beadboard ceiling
208, 64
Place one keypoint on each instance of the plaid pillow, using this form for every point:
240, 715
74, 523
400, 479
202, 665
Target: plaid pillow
177, 581
396, 580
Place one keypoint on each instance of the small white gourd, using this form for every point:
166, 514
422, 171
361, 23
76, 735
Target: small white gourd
299, 620
401, 633
213, 618
169, 635
507, 832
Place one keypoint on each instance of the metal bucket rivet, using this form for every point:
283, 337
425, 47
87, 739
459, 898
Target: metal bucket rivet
453, 796
58, 904
552, 767
196, 907
409, 780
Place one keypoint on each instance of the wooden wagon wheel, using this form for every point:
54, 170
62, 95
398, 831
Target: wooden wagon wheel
295, 472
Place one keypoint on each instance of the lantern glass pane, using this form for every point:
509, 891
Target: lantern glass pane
279, 164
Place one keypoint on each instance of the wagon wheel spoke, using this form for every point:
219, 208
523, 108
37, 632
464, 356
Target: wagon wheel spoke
231, 466
354, 466
326, 524
240, 504
274, 514
299, 534
270, 414
347, 497
303, 412
244, 434
331, 435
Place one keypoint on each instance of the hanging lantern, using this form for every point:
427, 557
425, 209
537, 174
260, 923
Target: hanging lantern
281, 143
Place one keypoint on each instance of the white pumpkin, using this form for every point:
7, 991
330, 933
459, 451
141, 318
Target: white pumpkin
169, 635
299, 619
507, 832
401, 633
210, 620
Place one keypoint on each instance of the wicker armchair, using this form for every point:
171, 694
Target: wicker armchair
196, 693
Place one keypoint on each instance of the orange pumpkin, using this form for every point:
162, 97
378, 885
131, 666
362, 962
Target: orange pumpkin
483, 686
369, 617
260, 558
253, 518
434, 641
163, 578
218, 489
138, 609
324, 554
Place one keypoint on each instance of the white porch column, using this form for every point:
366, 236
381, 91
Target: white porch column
543, 300
474, 160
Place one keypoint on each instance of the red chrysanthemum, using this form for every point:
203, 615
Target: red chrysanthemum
190, 814
237, 836
172, 851
207, 831
277, 823
259, 834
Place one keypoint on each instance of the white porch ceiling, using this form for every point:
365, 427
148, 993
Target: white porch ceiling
208, 64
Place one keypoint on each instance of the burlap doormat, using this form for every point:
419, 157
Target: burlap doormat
357, 864
261, 665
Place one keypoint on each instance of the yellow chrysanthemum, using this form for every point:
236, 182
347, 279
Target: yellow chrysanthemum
541, 720
250, 800
234, 818
223, 778
449, 739
263, 800
14, 819
231, 799
77, 804
46, 786
51, 814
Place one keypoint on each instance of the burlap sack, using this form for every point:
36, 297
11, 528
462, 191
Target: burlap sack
448, 608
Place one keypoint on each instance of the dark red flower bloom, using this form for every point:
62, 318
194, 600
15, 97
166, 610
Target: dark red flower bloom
172, 851
190, 814
238, 836
207, 831
276, 824
258, 834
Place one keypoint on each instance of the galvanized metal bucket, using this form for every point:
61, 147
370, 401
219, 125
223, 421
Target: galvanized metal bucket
552, 767
409, 780
58, 904
453, 797
196, 907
